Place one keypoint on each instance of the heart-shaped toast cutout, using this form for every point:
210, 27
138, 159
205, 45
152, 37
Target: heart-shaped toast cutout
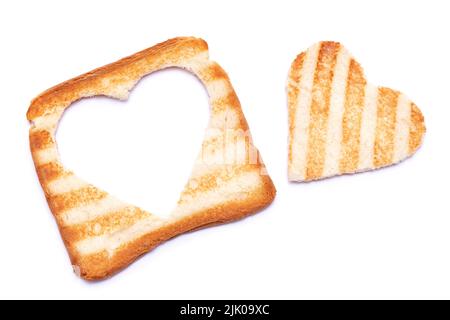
141, 149
339, 123
228, 181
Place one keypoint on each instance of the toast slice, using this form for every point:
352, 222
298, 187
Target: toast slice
228, 182
339, 123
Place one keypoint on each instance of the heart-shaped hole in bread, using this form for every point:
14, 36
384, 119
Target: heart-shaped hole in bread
104, 234
339, 123
141, 149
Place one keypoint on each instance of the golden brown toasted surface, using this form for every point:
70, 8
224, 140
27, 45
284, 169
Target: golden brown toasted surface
103, 234
339, 123
320, 108
351, 121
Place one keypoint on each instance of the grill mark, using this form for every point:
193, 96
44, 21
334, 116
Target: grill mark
385, 130
320, 106
417, 129
66, 201
51, 171
351, 123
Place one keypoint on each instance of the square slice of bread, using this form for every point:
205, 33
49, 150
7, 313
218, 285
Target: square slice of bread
228, 182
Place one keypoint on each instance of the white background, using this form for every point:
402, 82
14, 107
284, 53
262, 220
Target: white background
383, 234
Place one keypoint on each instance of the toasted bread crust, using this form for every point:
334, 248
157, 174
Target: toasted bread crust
123, 71
339, 123
103, 234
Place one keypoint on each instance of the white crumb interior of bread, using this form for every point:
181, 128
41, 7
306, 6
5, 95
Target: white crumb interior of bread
234, 153
198, 64
403, 122
368, 128
336, 112
93, 210
218, 88
299, 139
122, 91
